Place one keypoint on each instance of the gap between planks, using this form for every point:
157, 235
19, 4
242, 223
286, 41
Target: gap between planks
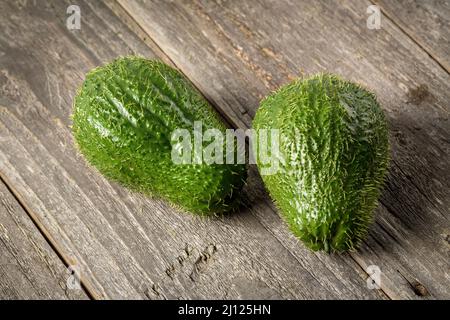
85, 285
432, 56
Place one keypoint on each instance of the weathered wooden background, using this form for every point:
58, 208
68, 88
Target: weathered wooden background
56, 212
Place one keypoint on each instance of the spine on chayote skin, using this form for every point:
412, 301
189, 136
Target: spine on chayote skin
123, 119
334, 142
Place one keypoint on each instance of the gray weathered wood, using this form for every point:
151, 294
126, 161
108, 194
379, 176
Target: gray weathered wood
427, 22
29, 268
129, 246
237, 52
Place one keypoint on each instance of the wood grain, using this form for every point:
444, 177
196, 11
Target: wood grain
29, 268
426, 22
237, 52
129, 246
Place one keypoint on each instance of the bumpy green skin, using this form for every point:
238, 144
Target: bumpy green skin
334, 140
124, 116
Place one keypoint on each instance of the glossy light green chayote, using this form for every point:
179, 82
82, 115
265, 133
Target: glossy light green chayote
334, 142
123, 120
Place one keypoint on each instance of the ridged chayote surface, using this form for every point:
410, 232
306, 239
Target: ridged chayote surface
124, 116
334, 140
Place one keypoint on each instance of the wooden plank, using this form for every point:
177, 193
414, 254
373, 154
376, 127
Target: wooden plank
426, 22
237, 52
29, 268
129, 246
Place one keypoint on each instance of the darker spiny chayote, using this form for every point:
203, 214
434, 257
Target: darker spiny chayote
123, 120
